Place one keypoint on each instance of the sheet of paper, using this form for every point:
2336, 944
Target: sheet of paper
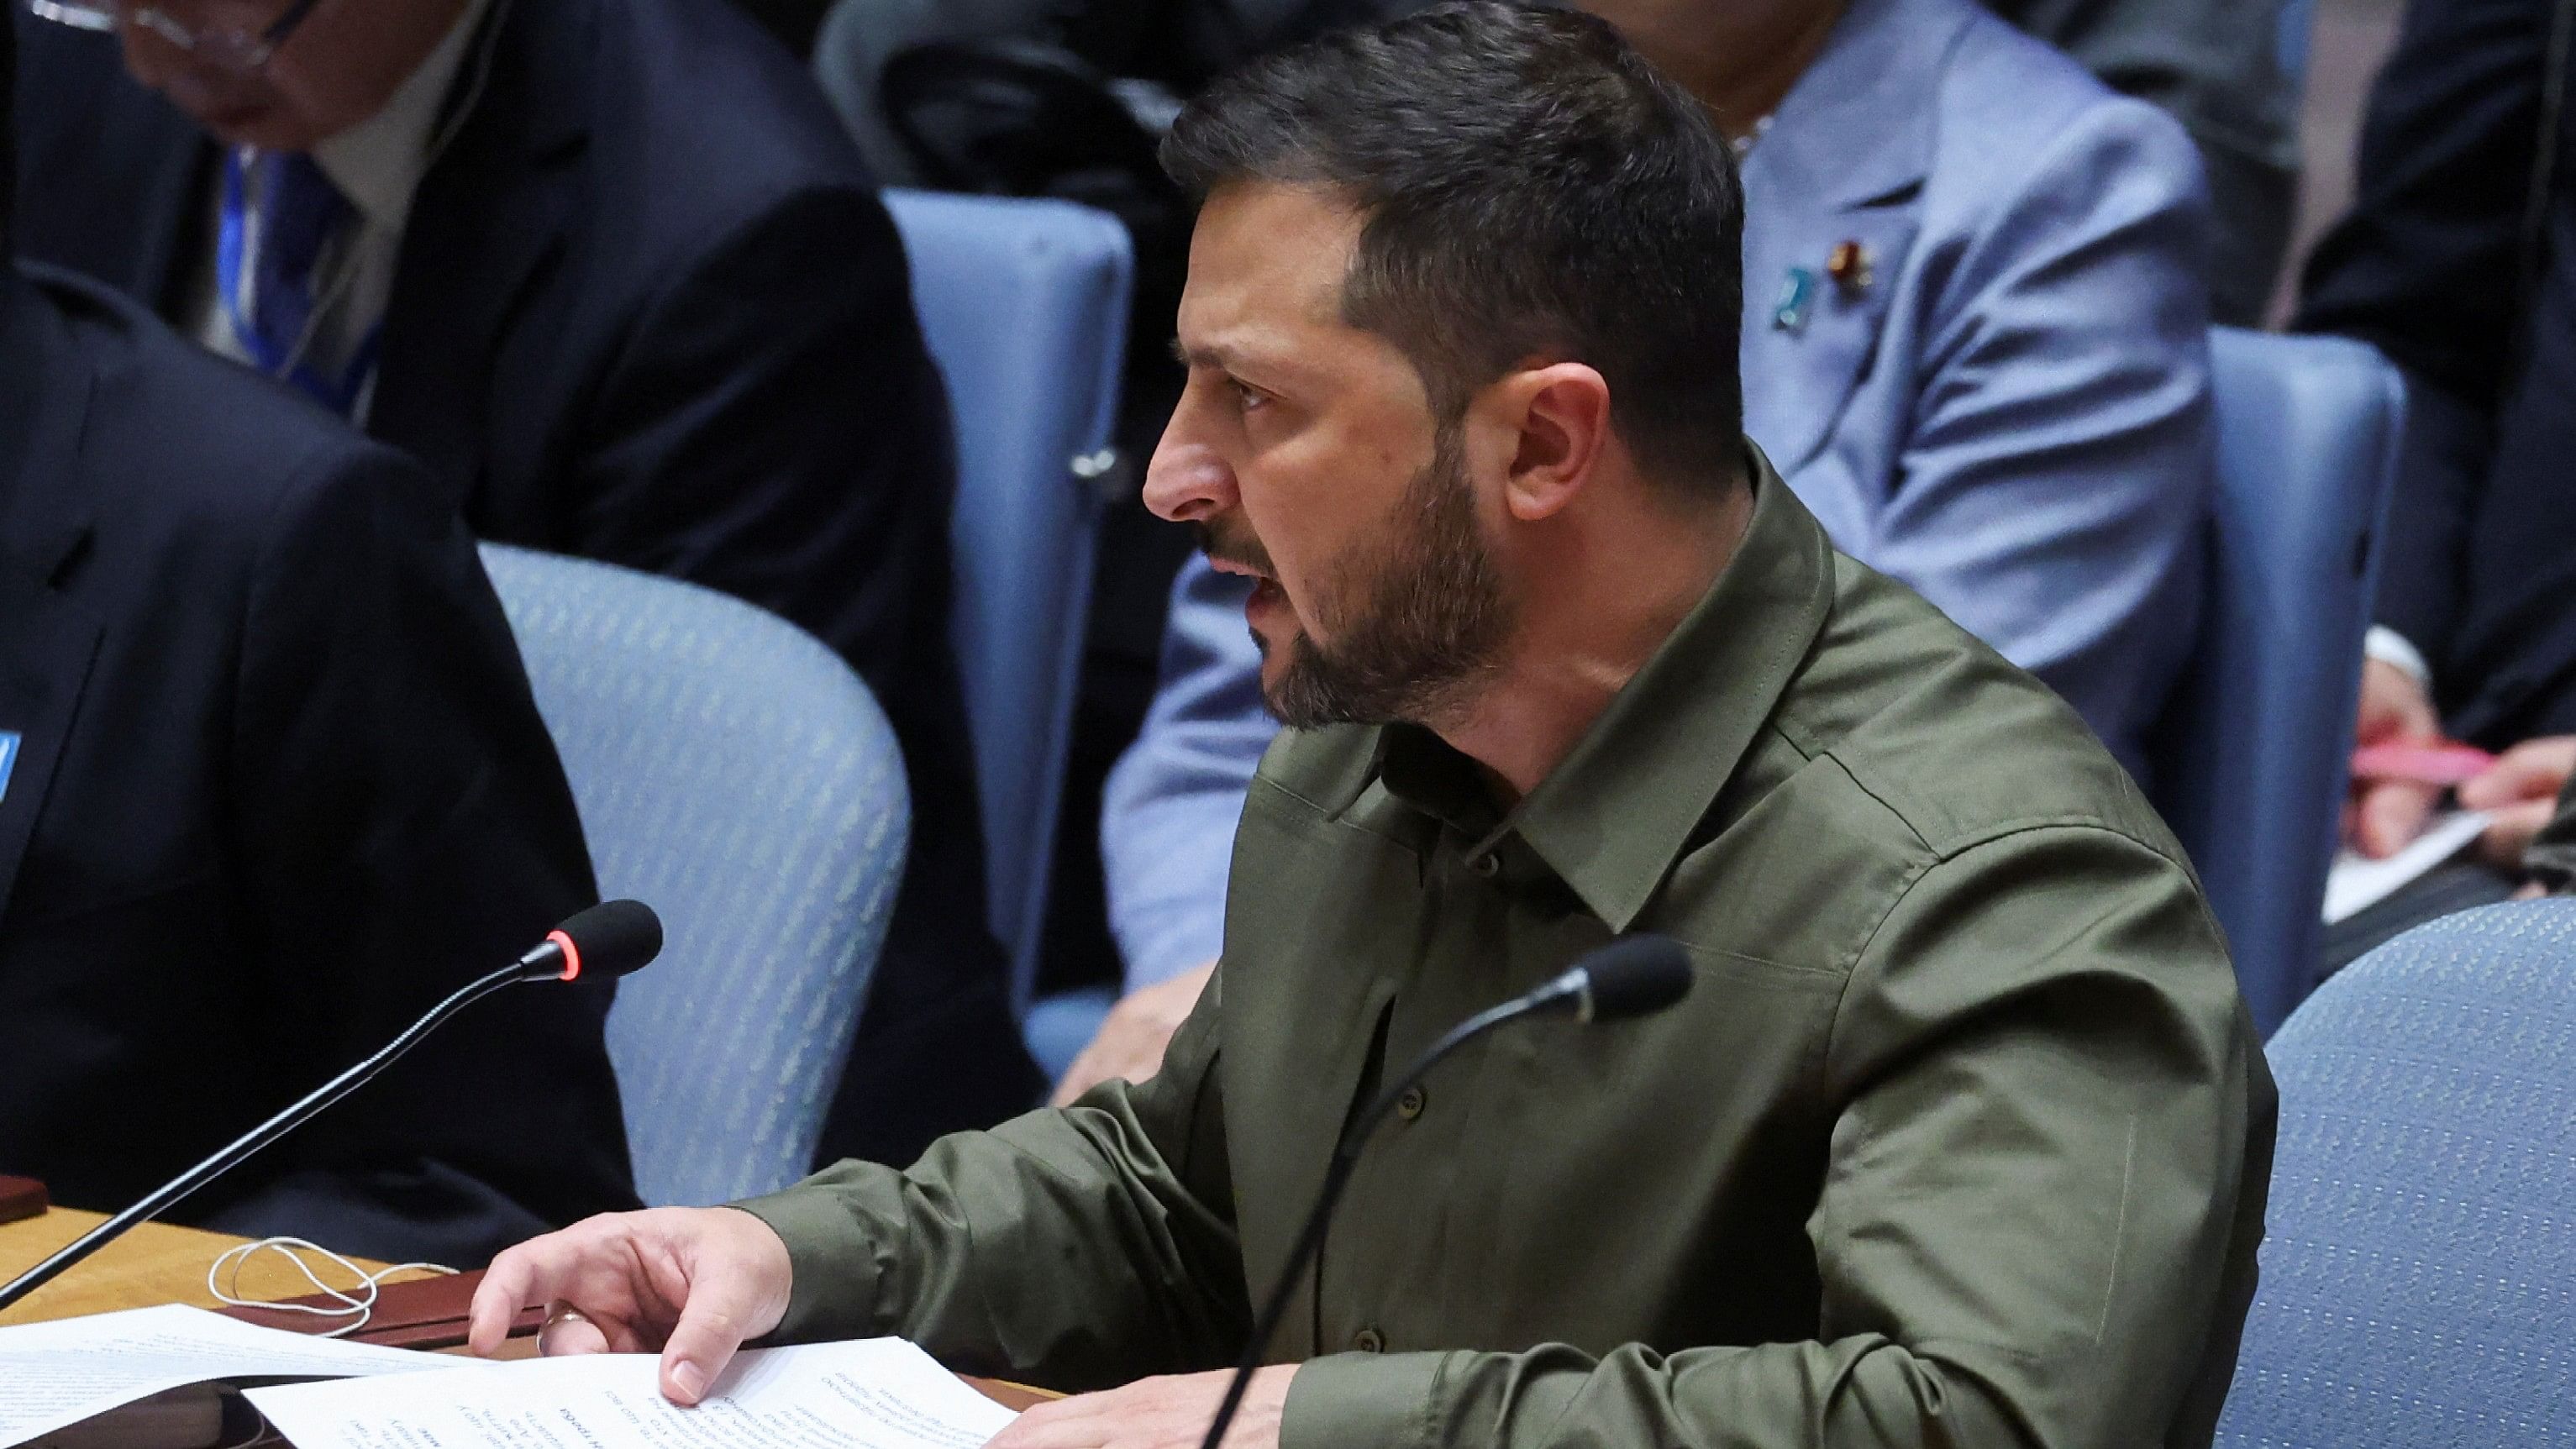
2357, 882
878, 1393
54, 1374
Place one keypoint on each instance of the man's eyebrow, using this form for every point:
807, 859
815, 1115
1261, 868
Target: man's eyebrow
1218, 358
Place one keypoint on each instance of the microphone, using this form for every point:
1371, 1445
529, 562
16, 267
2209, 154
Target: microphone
607, 941
1632, 976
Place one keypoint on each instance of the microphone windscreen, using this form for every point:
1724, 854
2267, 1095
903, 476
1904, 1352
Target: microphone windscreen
614, 938
1637, 976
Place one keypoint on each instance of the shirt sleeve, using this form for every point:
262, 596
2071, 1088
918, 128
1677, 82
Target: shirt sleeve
1124, 1198
2055, 477
1169, 812
2048, 1098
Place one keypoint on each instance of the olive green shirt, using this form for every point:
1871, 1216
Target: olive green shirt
1961, 1136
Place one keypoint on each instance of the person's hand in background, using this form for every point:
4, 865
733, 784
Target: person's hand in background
2385, 815
2521, 792
1131, 1041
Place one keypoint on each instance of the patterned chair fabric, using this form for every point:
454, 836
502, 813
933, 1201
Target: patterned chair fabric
736, 776
2419, 1277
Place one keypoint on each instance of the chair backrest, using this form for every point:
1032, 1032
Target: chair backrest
2251, 760
2419, 1275
1024, 304
733, 774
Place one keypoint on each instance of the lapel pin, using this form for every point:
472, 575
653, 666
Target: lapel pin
1849, 266
1797, 299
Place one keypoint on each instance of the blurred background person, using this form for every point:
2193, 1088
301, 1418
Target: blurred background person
2216, 66
614, 273
2455, 260
1975, 343
271, 786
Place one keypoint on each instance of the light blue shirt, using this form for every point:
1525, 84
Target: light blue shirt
2011, 414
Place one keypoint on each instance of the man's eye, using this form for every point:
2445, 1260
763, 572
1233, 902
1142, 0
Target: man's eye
1249, 398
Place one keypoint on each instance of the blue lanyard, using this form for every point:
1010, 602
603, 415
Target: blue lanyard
340, 394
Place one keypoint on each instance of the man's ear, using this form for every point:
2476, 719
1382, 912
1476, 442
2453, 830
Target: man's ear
1558, 415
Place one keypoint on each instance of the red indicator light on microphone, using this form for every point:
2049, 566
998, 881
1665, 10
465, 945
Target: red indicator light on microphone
571, 954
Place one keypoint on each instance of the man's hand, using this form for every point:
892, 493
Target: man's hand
1131, 1041
2522, 792
1166, 1413
2386, 815
693, 1283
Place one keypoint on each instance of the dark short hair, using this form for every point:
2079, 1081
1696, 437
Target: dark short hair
1529, 185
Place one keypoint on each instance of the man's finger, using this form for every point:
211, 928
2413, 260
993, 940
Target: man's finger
710, 1329
566, 1331
2392, 815
504, 1290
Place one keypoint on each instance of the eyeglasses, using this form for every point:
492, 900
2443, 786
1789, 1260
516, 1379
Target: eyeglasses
231, 48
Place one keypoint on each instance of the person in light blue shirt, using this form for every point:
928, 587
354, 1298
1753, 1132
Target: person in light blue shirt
1975, 345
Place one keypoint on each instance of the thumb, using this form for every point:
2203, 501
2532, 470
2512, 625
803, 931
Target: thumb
710, 1329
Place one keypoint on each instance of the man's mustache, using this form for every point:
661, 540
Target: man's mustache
1242, 550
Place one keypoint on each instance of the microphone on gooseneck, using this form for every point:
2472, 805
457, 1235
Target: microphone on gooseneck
1632, 976
608, 940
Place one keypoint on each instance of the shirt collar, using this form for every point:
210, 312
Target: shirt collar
378, 162
1615, 816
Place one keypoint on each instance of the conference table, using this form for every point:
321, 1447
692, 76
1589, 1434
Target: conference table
159, 1263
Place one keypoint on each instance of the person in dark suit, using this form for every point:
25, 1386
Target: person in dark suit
2458, 260
271, 784
612, 271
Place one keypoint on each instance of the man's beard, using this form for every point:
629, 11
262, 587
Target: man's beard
1430, 622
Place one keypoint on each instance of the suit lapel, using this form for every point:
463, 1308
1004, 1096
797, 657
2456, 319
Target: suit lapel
488, 222
47, 640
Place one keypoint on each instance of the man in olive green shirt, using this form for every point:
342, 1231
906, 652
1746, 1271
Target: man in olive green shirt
1961, 1136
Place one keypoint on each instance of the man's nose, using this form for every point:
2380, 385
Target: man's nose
1187, 481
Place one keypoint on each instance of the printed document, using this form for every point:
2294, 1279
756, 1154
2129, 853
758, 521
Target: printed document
57, 1374
875, 1394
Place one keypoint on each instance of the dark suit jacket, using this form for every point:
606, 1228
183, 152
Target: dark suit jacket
649, 310
280, 787
2480, 569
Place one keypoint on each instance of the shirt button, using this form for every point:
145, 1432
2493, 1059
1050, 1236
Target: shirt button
1368, 1340
1484, 865
1410, 1105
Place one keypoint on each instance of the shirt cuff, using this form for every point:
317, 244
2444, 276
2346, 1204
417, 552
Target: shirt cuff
2392, 648
1383, 1400
832, 1264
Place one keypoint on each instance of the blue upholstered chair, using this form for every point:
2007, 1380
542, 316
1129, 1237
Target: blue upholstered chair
736, 776
1025, 307
2252, 759
2419, 1276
